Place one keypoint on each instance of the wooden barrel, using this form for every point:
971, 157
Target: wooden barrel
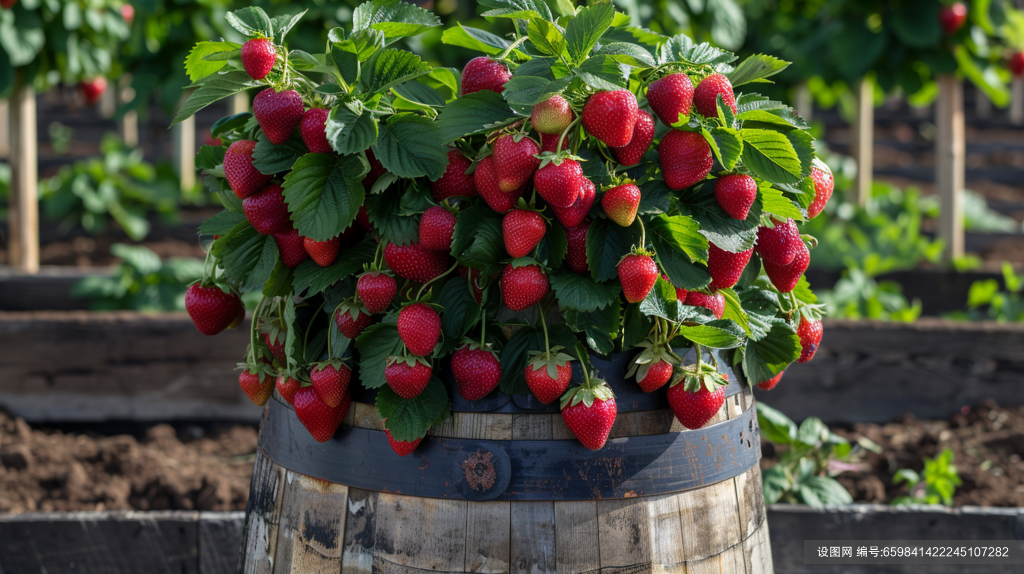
510, 490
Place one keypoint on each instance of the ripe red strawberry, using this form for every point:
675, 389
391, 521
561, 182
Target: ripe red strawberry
735, 194
770, 383
657, 375
514, 161
695, 409
1016, 64
483, 73
726, 267
681, 293
455, 181
714, 302
322, 252
485, 178
620, 203
211, 309
552, 115
127, 12
523, 286
810, 337
277, 113
258, 57
823, 185
352, 321
473, 276
266, 210
590, 413
671, 98
785, 277
275, 344
549, 142
705, 97
778, 245
91, 90
407, 376
638, 273
576, 250
319, 418
419, 327
243, 178
952, 17
652, 367
376, 289
313, 129
6, 4
363, 217
685, 158
548, 375
290, 246
477, 372
522, 230
572, 216
330, 381
436, 228
611, 117
287, 387
376, 170
643, 135
402, 447
415, 263
257, 385
560, 184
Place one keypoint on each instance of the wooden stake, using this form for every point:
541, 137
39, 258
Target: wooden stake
804, 102
862, 141
5, 130
982, 105
23, 243
108, 102
1017, 102
184, 137
130, 121
949, 164
238, 103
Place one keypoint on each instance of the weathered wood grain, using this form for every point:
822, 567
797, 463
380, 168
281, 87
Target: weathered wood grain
421, 533
488, 527
360, 536
757, 551
312, 527
624, 535
263, 513
576, 537
666, 532
220, 535
868, 371
126, 365
710, 520
532, 538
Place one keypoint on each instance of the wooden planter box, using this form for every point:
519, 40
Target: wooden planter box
80, 366
208, 542
872, 371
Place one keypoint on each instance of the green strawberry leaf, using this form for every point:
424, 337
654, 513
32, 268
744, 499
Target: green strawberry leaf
475, 39
607, 243
351, 131
312, 279
655, 198
629, 54
775, 203
387, 216
600, 328
756, 67
196, 64
603, 72
514, 356
248, 258
375, 344
769, 356
477, 241
395, 18
734, 310
474, 113
547, 37
251, 21
577, 292
635, 326
212, 89
521, 9
280, 282
585, 29
680, 48
554, 246
682, 234
271, 159
716, 225
323, 192
726, 145
719, 334
387, 68
775, 426
522, 92
461, 311
409, 145
221, 223
777, 157
410, 419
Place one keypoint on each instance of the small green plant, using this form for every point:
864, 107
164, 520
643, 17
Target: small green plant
118, 186
985, 299
859, 296
141, 282
810, 456
936, 484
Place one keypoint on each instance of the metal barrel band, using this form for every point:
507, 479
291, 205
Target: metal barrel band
628, 395
541, 470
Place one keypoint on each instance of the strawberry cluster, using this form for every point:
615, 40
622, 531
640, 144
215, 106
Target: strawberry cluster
572, 198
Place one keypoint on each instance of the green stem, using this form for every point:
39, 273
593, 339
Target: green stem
643, 234
206, 272
561, 138
252, 332
305, 336
513, 46
583, 364
424, 286
700, 357
544, 327
483, 319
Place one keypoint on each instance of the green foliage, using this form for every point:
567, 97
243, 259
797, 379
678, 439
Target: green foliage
986, 300
119, 186
810, 456
936, 484
142, 282
858, 296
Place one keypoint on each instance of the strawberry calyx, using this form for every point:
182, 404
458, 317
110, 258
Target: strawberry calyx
476, 345
408, 359
549, 360
558, 158
697, 375
637, 250
334, 363
520, 262
592, 389
654, 352
351, 306
261, 369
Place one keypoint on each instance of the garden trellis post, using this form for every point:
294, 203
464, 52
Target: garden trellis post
183, 135
949, 164
23, 243
5, 130
863, 139
1017, 102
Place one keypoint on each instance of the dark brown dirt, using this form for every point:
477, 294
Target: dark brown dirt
162, 470
987, 443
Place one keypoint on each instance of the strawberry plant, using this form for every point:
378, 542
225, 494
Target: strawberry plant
517, 216
935, 484
141, 282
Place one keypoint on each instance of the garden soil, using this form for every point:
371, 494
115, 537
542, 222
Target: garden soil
987, 443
